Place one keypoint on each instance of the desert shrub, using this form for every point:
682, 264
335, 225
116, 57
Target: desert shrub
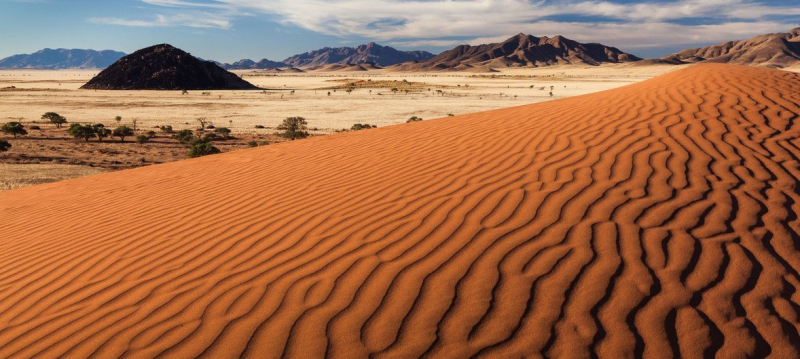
4, 146
142, 139
294, 128
259, 126
183, 136
359, 126
252, 144
35, 127
414, 119
55, 118
263, 143
210, 137
122, 132
223, 131
202, 148
14, 129
167, 129
84, 132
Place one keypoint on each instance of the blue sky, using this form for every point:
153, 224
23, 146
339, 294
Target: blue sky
229, 30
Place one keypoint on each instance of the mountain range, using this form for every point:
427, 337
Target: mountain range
369, 53
773, 50
522, 50
55, 59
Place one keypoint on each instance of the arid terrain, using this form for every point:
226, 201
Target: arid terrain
27, 94
653, 220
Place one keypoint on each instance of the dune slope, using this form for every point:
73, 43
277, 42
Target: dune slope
654, 220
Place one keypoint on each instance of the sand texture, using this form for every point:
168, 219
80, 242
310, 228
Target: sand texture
656, 220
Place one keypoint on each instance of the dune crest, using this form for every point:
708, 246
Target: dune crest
654, 220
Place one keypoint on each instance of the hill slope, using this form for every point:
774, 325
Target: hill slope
56, 59
247, 64
522, 50
774, 50
632, 222
163, 67
369, 53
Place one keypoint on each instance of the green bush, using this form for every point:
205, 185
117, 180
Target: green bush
166, 129
142, 139
252, 144
184, 136
294, 128
201, 148
358, 127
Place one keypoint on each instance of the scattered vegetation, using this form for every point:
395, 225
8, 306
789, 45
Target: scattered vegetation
142, 139
167, 129
202, 147
223, 131
184, 136
294, 128
101, 132
4, 146
14, 129
414, 119
122, 132
359, 126
55, 118
84, 132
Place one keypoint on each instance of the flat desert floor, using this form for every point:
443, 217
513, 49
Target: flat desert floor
656, 220
306, 94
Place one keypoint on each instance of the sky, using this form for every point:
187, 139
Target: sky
230, 30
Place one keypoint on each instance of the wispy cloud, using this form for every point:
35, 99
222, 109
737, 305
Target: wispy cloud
188, 20
438, 22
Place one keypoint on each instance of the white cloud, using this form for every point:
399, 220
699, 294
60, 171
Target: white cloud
438, 22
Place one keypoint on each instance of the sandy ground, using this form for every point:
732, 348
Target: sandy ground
37, 92
656, 220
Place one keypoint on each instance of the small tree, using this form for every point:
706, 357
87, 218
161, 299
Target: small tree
4, 146
14, 128
84, 132
151, 134
142, 139
101, 132
202, 147
223, 131
414, 119
135, 122
55, 118
118, 119
122, 132
203, 122
166, 129
294, 128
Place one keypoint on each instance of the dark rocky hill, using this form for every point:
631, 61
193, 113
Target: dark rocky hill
164, 67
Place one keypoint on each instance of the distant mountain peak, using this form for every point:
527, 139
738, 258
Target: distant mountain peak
771, 50
362, 54
522, 50
56, 59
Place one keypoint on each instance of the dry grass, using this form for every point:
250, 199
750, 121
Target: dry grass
22, 175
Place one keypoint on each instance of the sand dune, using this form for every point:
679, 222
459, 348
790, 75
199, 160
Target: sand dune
654, 220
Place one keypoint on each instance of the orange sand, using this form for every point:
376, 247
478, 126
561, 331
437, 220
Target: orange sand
654, 220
